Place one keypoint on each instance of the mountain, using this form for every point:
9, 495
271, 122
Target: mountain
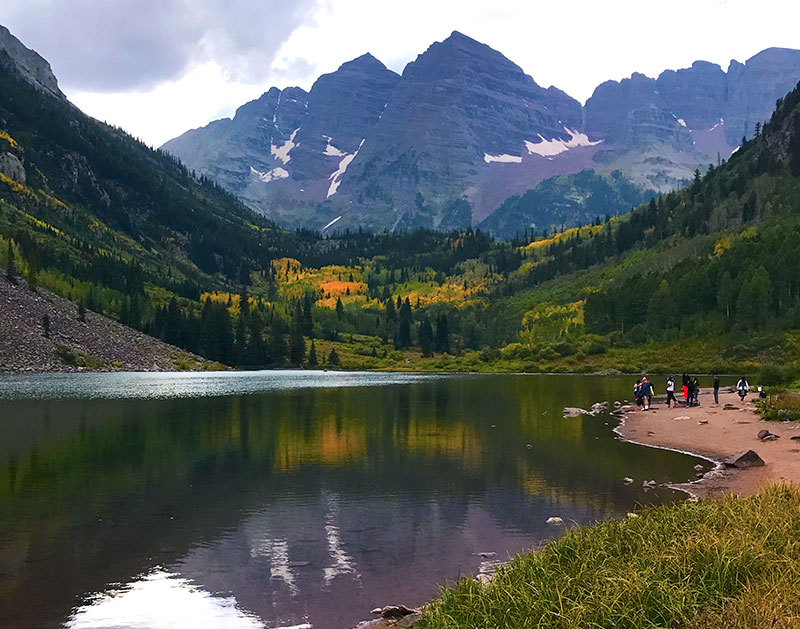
659, 130
464, 128
288, 149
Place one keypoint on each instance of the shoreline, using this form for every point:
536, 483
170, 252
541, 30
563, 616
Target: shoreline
713, 432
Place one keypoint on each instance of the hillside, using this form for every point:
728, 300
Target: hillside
44, 332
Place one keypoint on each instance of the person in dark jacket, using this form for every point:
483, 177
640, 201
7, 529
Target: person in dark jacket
646, 392
716, 389
695, 392
686, 382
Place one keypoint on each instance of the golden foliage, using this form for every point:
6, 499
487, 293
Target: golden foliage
14, 144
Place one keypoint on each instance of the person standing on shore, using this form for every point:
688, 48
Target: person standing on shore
695, 392
742, 387
716, 389
671, 401
646, 393
686, 389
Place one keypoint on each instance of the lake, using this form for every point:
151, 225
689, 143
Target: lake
275, 499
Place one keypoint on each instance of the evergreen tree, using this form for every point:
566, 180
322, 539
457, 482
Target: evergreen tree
425, 337
404, 326
312, 355
442, 336
308, 320
46, 326
277, 343
297, 346
81, 311
339, 309
333, 358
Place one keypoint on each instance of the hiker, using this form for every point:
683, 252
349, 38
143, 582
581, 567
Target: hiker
688, 392
637, 392
671, 401
716, 389
686, 389
646, 392
742, 387
695, 392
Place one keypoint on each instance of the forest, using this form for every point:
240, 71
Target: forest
707, 272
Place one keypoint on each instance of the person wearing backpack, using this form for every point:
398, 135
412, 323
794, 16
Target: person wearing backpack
742, 387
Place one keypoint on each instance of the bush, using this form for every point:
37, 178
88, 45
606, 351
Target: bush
772, 374
564, 348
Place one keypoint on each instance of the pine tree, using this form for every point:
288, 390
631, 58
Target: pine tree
81, 311
404, 327
46, 326
312, 355
442, 337
333, 358
308, 320
339, 309
425, 337
297, 346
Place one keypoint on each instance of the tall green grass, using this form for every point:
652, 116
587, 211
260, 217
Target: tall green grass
732, 563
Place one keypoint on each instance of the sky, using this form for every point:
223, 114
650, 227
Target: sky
157, 68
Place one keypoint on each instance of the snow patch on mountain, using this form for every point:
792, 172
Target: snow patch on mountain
271, 175
331, 223
331, 150
336, 176
505, 159
551, 148
282, 152
681, 122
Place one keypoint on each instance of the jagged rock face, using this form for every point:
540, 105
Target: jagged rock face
457, 106
755, 86
30, 64
659, 130
290, 147
11, 167
464, 128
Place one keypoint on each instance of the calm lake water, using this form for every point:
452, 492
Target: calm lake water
274, 499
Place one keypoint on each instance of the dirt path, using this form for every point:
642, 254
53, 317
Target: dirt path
715, 432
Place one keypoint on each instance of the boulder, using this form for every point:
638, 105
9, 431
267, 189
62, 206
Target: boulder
698, 468
555, 521
766, 435
744, 459
394, 611
627, 480
12, 167
571, 411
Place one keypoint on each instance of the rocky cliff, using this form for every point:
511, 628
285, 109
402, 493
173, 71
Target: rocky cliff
31, 65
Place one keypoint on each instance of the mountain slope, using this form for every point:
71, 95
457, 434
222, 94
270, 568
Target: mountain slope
464, 129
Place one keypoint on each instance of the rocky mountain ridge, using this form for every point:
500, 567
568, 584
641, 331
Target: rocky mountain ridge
463, 129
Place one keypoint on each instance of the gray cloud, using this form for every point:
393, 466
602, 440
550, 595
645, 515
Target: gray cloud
119, 45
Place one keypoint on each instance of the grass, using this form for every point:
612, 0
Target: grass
732, 563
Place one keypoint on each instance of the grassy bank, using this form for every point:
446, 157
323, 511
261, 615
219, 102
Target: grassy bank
732, 563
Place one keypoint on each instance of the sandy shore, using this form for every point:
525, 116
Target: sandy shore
711, 431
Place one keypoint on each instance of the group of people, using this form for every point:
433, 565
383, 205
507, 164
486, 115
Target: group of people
643, 391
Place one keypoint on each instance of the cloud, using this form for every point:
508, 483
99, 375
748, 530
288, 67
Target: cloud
120, 45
